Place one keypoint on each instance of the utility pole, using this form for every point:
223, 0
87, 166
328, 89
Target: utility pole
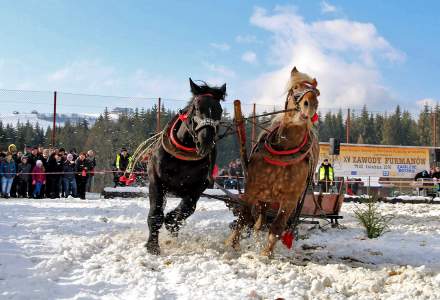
159, 104
348, 126
54, 128
434, 127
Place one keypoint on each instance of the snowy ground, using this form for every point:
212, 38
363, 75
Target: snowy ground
93, 249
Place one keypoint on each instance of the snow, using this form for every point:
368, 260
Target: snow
126, 189
93, 249
13, 119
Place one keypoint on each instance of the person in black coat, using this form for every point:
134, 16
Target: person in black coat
82, 169
54, 173
24, 171
33, 157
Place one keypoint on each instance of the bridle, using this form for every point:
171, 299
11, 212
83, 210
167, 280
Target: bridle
193, 122
298, 94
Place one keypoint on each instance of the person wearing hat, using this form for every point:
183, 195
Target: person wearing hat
38, 179
325, 176
24, 178
120, 164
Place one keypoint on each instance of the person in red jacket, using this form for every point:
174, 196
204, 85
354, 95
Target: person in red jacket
38, 178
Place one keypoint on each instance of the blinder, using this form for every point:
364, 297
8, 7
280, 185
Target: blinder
299, 94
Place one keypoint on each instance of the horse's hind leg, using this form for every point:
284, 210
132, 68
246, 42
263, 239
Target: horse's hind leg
244, 219
277, 227
155, 217
175, 218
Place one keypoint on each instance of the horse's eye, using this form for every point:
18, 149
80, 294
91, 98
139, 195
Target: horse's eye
306, 103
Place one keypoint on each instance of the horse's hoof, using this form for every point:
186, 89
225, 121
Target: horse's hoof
233, 244
153, 248
173, 229
267, 253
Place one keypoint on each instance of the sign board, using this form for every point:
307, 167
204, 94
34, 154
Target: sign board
377, 161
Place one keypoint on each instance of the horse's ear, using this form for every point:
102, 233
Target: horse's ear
195, 89
314, 82
294, 70
223, 89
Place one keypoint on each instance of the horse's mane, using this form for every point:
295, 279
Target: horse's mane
216, 91
297, 78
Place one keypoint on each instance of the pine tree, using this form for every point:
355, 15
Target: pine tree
424, 127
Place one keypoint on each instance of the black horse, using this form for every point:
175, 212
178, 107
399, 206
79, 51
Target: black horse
183, 160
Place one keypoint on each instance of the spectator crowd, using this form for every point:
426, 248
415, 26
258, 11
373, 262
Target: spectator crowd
46, 173
232, 176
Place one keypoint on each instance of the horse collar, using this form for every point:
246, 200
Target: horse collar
173, 138
272, 151
287, 157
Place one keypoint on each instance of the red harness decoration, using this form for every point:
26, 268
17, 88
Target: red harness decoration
315, 118
182, 117
285, 152
284, 163
174, 140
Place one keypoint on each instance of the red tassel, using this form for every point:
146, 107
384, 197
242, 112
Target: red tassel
315, 118
287, 239
183, 117
123, 179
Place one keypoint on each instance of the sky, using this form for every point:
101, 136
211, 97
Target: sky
374, 53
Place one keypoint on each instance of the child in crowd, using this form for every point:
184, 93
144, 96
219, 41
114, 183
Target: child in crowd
38, 178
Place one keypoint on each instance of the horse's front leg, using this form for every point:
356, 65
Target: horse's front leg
260, 210
244, 219
155, 216
277, 227
175, 218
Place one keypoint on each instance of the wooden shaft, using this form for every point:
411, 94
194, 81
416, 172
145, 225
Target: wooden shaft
254, 125
241, 134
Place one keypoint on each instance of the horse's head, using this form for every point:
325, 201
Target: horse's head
302, 99
205, 114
